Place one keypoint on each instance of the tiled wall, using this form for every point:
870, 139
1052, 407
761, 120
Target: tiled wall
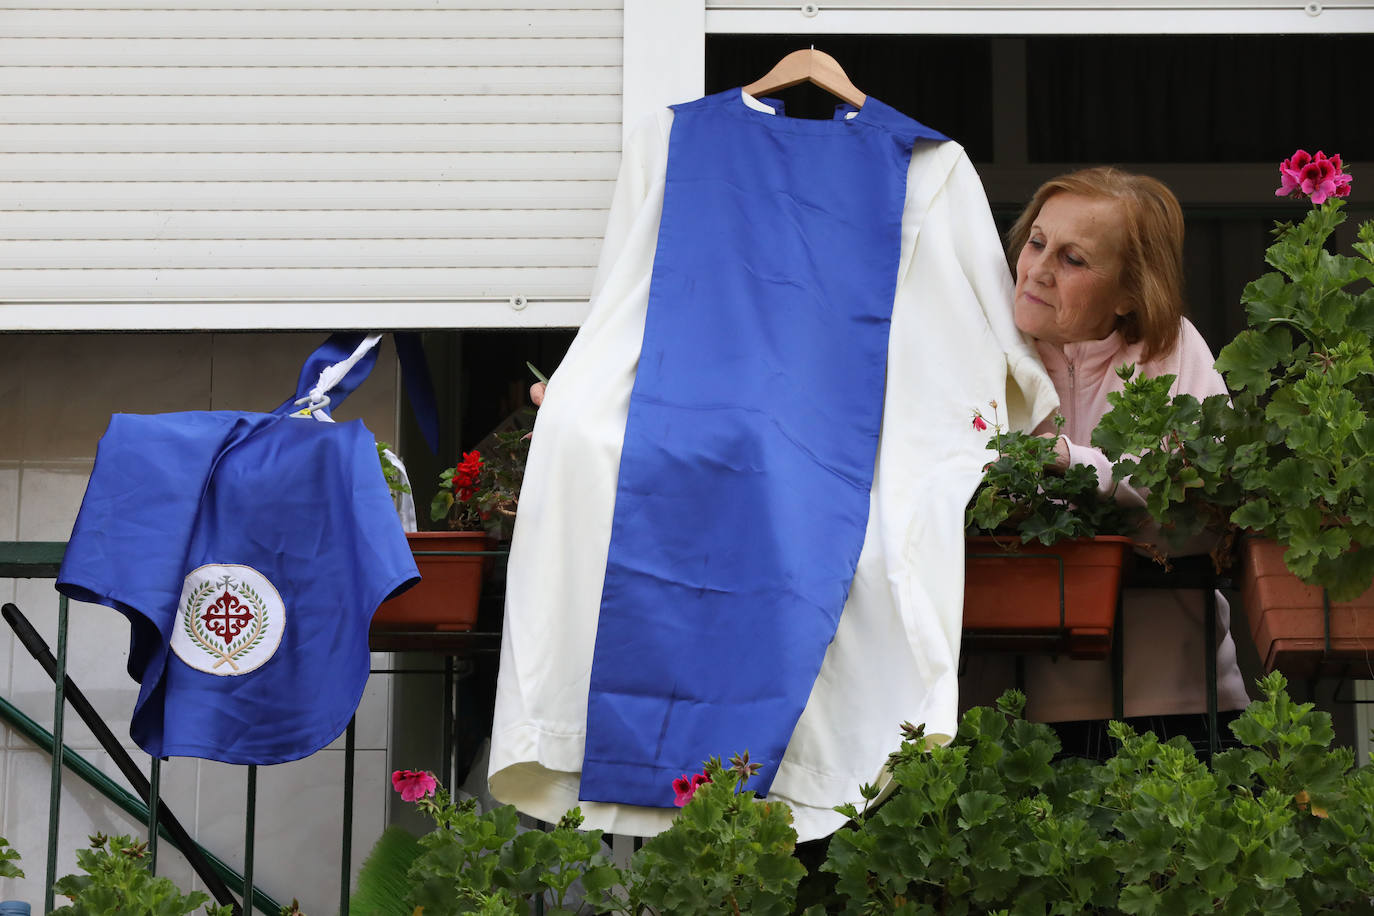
56, 395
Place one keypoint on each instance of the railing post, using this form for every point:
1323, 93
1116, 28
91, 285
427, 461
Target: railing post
249, 825
154, 802
450, 764
346, 865
55, 795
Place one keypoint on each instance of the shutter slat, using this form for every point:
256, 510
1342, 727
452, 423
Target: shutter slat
302, 224
23, 285
315, 253
280, 25
321, 81
306, 195
321, 138
144, 167
299, 109
312, 52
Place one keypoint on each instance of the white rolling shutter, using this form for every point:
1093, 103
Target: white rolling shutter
304, 164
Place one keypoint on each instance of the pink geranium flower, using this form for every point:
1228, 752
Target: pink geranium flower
684, 787
1314, 176
413, 784
979, 423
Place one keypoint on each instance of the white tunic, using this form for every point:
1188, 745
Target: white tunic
953, 347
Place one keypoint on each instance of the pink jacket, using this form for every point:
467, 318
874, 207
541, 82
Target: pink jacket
1084, 373
1163, 629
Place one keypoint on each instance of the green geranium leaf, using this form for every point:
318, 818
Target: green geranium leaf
1268, 299
1256, 515
1346, 576
1211, 846
440, 505
1246, 361
976, 807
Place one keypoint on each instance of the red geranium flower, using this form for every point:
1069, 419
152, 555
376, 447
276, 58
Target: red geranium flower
413, 784
465, 476
684, 787
1314, 176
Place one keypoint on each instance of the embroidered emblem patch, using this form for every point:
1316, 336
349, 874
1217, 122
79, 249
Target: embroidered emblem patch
230, 620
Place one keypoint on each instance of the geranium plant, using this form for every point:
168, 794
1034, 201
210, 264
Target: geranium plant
1179, 449
1303, 377
1022, 496
727, 852
117, 880
994, 823
475, 862
482, 490
8, 857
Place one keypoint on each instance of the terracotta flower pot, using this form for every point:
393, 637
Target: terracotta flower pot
1287, 618
446, 596
1012, 594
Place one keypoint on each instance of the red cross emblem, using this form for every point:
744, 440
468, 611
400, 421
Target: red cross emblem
227, 616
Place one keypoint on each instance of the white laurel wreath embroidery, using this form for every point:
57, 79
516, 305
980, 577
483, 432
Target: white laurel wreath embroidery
194, 626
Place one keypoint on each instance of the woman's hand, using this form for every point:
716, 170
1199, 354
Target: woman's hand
1061, 452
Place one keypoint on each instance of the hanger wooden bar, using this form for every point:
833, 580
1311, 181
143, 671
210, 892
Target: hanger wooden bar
808, 64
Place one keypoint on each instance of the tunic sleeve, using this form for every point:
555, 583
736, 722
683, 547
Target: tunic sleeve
961, 212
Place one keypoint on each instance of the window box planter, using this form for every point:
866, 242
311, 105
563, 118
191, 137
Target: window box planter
445, 598
1293, 630
1029, 597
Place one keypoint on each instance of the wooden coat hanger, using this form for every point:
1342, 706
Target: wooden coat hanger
808, 64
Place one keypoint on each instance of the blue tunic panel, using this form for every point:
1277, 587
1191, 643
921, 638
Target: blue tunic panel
743, 490
249, 552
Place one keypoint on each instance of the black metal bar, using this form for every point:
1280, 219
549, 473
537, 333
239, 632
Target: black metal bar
1209, 652
249, 828
1336, 694
33, 642
1326, 625
346, 866
460, 553
154, 799
450, 765
539, 900
59, 675
447, 642
1119, 658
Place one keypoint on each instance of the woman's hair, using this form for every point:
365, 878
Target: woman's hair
1152, 263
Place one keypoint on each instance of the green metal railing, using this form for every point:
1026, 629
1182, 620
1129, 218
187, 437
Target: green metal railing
21, 560
41, 560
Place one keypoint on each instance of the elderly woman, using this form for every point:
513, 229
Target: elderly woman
1099, 278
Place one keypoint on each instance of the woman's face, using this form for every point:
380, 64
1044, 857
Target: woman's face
1068, 274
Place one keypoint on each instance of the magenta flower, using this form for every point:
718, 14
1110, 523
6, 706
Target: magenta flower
684, 787
1316, 177
979, 423
413, 784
